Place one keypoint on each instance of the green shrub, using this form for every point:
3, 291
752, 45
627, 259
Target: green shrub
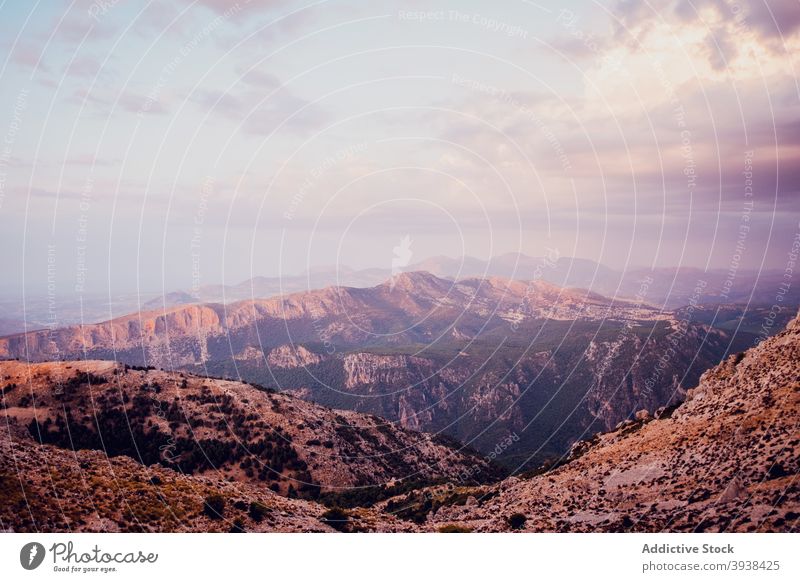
337, 518
258, 511
214, 506
517, 521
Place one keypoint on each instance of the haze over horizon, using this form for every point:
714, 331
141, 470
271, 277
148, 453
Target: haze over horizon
165, 146
527, 269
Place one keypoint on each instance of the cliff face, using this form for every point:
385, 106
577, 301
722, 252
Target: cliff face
178, 336
365, 369
630, 373
725, 460
588, 382
288, 356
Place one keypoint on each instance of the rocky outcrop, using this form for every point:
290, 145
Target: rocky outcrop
364, 369
288, 356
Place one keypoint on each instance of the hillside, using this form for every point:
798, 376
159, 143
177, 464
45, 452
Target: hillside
49, 489
232, 430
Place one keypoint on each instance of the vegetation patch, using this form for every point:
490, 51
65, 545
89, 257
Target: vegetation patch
336, 518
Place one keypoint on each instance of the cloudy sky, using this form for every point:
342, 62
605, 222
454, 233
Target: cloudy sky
152, 145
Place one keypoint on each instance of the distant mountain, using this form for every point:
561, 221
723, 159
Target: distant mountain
168, 301
408, 309
10, 326
667, 288
561, 271
478, 359
316, 278
34, 312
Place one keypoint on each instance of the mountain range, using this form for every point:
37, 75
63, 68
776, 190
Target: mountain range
724, 459
667, 288
481, 360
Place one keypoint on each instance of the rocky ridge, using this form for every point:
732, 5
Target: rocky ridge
410, 307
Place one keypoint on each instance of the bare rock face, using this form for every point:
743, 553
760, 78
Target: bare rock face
366, 368
288, 356
735, 490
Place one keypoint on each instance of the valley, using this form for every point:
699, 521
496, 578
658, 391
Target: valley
724, 459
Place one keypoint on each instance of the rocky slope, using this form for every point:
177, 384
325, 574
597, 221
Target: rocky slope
725, 460
48, 489
232, 430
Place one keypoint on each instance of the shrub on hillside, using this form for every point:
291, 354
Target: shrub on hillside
258, 511
517, 521
214, 506
337, 518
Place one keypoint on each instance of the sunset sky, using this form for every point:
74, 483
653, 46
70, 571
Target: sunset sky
146, 143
